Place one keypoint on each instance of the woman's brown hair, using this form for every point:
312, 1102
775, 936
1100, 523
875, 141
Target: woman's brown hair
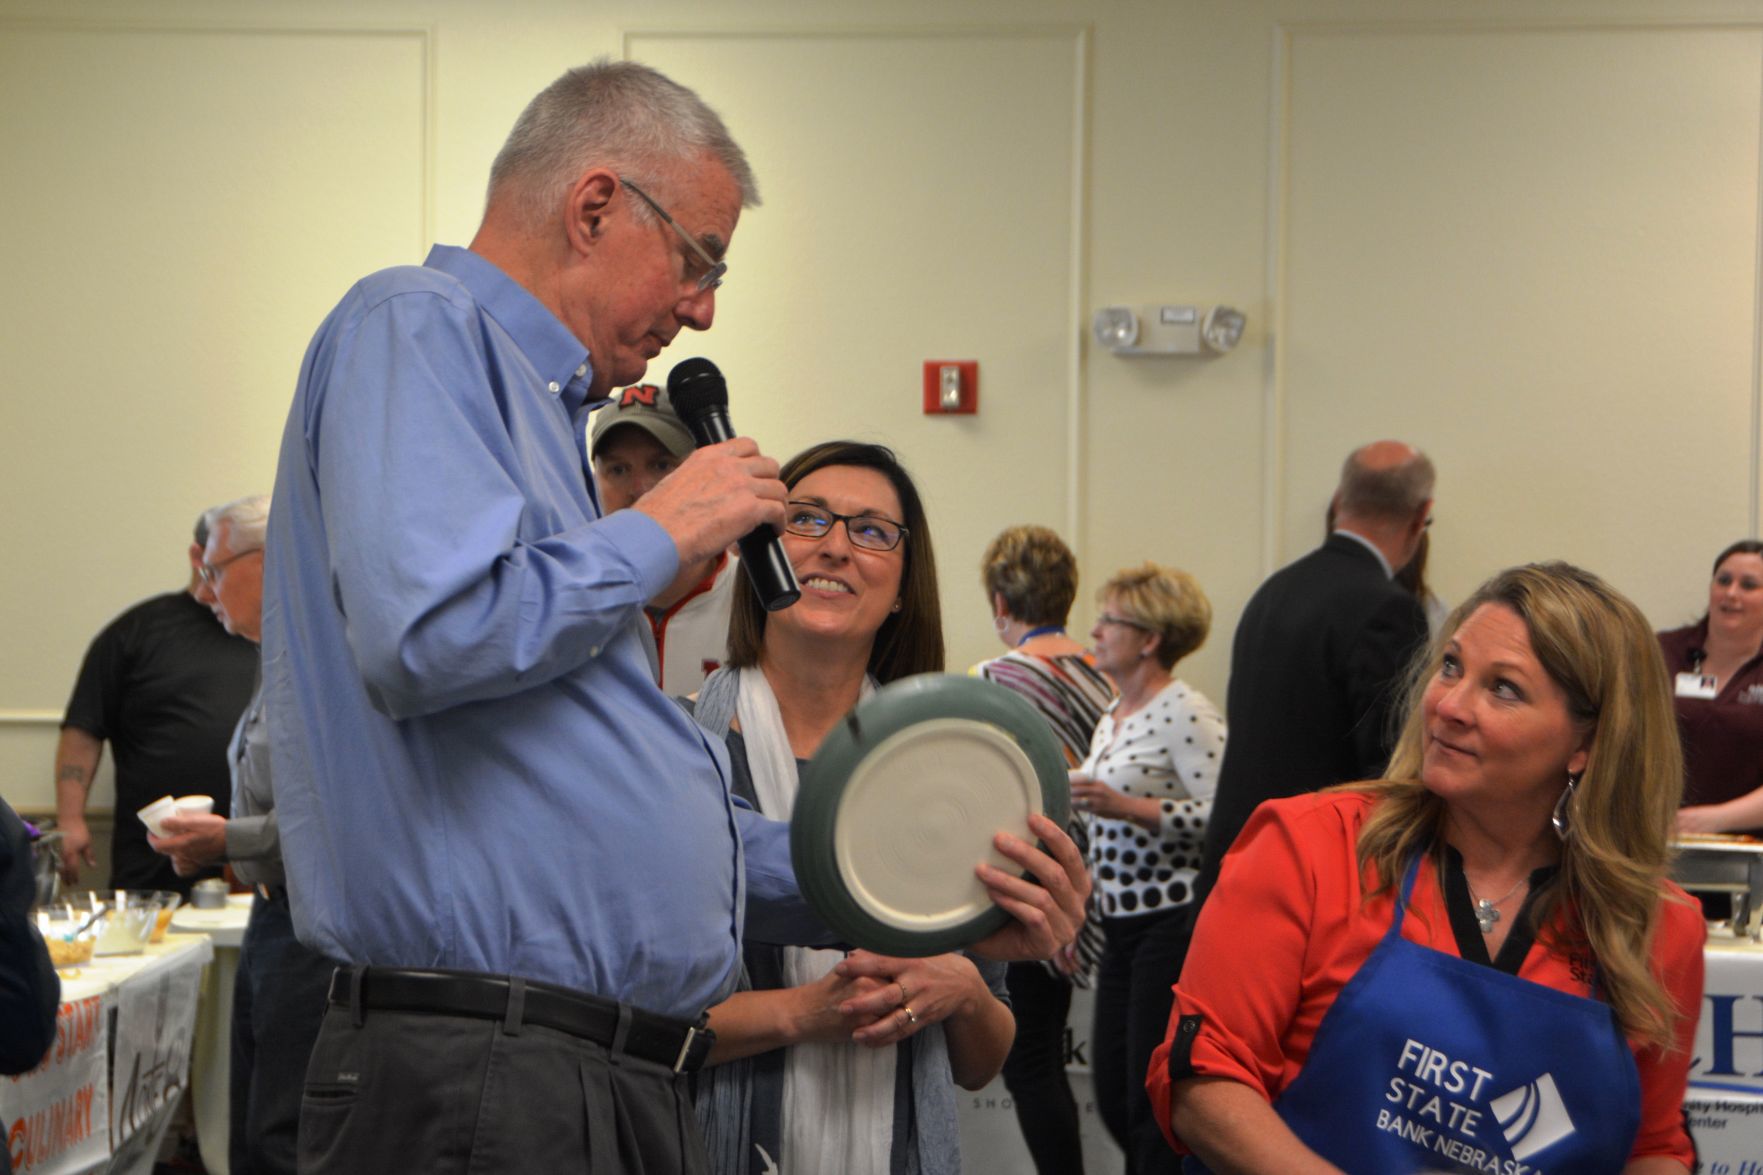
910, 640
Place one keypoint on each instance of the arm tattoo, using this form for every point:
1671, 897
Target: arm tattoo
72, 773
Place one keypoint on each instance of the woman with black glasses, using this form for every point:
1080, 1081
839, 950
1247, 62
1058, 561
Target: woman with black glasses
1147, 786
814, 1061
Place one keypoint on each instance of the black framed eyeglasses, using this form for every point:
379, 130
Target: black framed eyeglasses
714, 270
872, 532
210, 572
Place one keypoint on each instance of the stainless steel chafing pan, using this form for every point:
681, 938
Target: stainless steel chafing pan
1724, 864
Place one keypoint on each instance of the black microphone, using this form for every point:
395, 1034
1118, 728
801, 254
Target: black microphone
700, 397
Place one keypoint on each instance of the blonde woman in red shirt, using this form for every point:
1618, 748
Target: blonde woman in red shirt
1476, 962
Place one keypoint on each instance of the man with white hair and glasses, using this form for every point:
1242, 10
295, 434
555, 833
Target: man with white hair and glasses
280, 989
524, 851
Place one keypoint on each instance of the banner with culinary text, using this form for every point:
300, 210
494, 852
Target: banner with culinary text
57, 1116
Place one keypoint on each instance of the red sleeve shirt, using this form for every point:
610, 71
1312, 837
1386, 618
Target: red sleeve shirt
1288, 924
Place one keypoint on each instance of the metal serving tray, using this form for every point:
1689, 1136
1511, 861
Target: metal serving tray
1724, 864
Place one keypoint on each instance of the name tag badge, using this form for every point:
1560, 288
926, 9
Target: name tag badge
1697, 685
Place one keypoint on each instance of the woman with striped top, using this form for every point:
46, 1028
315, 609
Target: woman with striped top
1030, 576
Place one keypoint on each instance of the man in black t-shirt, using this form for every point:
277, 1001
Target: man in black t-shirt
164, 684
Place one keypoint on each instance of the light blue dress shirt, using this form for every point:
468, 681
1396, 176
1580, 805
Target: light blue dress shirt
472, 764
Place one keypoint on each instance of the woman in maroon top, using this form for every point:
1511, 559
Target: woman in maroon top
1717, 668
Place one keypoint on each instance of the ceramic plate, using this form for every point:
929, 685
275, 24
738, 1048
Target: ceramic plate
902, 801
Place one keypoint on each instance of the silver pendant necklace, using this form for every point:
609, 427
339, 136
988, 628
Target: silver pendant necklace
1487, 913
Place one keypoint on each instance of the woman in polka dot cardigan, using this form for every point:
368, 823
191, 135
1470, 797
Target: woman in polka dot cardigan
1147, 785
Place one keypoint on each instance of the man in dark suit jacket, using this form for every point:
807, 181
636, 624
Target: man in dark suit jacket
1315, 674
1317, 666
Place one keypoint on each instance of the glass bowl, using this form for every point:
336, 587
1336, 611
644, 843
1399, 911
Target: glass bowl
135, 917
65, 932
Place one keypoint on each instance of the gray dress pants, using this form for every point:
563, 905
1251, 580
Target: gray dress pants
421, 1092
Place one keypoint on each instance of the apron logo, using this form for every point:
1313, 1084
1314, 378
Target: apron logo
1533, 1117
1439, 1108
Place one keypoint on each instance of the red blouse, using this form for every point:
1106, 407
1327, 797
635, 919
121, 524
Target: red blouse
1288, 925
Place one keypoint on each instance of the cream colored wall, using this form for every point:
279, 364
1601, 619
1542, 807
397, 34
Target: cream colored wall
1522, 234
1547, 283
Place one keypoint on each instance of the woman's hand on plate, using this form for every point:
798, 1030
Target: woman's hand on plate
1047, 911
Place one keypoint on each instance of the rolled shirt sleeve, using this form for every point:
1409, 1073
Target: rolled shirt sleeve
1243, 973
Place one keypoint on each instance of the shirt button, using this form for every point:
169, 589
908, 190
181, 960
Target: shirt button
593, 650
581, 371
555, 387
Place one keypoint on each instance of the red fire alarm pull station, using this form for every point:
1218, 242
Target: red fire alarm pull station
951, 387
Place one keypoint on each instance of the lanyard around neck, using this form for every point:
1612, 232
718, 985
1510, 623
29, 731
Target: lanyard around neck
1043, 630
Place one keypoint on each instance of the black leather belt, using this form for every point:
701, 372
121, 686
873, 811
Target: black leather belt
676, 1044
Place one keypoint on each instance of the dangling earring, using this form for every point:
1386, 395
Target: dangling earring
1558, 819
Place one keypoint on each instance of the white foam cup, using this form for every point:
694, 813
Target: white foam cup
158, 810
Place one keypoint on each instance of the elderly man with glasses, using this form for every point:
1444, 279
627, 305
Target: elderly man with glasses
163, 684
526, 853
279, 991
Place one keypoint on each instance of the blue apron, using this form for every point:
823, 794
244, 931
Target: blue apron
1428, 1062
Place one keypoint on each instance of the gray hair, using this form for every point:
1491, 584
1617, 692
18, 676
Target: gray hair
246, 519
1391, 492
204, 524
615, 114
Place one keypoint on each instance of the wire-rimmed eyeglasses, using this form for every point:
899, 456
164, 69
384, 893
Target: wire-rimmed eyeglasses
211, 572
714, 270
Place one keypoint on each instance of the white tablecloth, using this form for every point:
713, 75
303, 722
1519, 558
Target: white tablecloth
103, 1097
211, 1060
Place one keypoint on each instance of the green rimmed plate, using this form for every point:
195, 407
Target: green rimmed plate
902, 801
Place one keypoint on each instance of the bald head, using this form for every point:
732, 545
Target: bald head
1385, 482
1385, 497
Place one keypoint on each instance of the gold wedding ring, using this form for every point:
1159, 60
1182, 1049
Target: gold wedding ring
911, 1017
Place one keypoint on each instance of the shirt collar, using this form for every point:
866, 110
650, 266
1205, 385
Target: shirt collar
1388, 571
558, 356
